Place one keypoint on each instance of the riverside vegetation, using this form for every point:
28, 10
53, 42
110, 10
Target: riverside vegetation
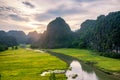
101, 35
108, 65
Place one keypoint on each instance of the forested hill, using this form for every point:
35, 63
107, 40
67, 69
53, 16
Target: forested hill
6, 41
19, 35
102, 34
57, 35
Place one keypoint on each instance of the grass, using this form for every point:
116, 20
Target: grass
24, 64
104, 63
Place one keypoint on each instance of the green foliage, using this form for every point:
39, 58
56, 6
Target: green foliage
104, 63
112, 54
24, 64
102, 34
16, 47
3, 47
85, 33
6, 41
52, 76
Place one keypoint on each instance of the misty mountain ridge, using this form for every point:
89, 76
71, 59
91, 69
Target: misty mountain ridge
102, 34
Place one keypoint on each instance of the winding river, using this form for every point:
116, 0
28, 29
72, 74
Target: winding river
85, 72
81, 71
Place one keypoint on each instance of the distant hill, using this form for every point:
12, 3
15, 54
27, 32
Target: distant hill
6, 41
19, 35
102, 34
58, 34
32, 37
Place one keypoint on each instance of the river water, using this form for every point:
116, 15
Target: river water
81, 71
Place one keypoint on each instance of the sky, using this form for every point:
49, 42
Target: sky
30, 15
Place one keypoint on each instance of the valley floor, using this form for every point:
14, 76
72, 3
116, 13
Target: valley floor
108, 65
22, 64
27, 64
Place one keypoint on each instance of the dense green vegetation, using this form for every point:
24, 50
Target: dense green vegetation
102, 34
13, 38
88, 56
24, 64
6, 41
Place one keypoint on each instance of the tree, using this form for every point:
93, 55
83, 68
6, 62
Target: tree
6, 41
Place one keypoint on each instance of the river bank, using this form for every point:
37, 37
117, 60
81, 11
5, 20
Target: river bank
90, 59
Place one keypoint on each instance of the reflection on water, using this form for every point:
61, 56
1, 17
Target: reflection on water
82, 71
76, 69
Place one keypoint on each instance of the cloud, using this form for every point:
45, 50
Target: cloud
28, 4
2, 8
62, 10
25, 12
43, 17
41, 28
86, 0
17, 18
5, 26
38, 24
8, 9
7, 12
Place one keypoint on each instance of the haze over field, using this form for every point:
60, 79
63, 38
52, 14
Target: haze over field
29, 15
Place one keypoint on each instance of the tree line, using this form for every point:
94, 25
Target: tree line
13, 38
6, 41
102, 34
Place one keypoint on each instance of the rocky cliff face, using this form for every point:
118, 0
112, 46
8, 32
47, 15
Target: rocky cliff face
58, 34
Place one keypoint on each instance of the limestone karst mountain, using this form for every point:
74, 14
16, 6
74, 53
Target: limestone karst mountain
58, 34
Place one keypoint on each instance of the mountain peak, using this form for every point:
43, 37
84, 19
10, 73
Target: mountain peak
58, 24
59, 19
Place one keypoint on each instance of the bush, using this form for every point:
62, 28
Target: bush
52, 76
3, 47
110, 54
